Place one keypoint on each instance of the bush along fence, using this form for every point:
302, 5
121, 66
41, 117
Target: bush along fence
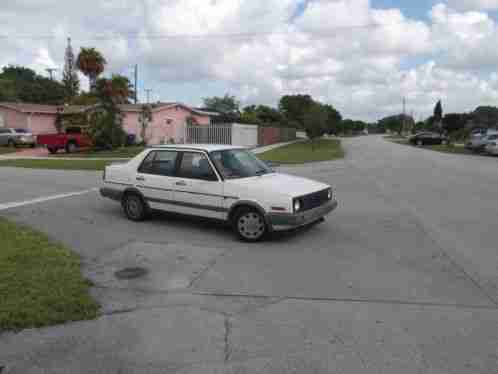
238, 134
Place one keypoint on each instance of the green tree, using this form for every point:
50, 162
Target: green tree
438, 115
226, 105
144, 119
18, 83
261, 114
453, 122
334, 119
118, 89
294, 107
91, 63
106, 121
69, 76
485, 116
315, 121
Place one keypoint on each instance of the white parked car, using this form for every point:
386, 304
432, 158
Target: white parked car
492, 148
216, 181
478, 143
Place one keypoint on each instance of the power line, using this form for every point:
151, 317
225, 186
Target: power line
137, 35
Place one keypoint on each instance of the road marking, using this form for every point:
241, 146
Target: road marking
38, 200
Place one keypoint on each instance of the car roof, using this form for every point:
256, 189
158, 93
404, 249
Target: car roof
199, 147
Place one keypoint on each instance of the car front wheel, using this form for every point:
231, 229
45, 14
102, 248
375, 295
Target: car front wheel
250, 225
420, 143
134, 207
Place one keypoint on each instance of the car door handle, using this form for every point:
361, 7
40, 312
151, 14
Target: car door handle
140, 179
181, 183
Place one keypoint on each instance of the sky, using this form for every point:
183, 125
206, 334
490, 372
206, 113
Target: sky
361, 56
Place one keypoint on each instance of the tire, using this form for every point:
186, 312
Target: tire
52, 150
249, 225
134, 207
71, 147
11, 143
420, 143
33, 145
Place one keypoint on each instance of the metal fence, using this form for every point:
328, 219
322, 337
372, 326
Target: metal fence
208, 134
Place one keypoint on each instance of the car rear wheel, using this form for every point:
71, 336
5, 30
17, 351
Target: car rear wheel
420, 143
52, 150
71, 147
134, 207
11, 143
250, 225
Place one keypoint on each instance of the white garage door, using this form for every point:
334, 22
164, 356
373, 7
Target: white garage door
244, 135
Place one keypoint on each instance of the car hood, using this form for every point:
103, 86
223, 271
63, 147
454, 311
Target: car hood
281, 184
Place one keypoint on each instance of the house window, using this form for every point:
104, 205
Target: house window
2, 121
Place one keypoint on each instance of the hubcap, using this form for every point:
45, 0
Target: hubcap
251, 226
134, 207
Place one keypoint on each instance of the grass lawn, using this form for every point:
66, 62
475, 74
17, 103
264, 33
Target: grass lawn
57, 164
40, 281
124, 152
298, 153
6, 150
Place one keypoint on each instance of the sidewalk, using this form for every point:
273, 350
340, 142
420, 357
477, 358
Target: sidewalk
266, 148
42, 154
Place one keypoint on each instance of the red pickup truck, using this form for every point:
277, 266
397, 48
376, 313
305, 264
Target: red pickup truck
72, 141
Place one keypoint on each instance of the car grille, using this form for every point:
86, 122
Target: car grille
314, 200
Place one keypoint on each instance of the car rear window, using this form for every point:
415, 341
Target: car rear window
159, 163
21, 131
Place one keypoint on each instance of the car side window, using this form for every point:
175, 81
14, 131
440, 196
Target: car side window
4, 131
196, 166
159, 163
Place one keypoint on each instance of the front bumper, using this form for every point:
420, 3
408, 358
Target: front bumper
28, 141
279, 221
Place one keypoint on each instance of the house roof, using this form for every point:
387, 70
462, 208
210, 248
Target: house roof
31, 108
75, 109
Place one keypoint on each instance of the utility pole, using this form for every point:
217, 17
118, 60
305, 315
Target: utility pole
404, 115
148, 91
136, 82
51, 72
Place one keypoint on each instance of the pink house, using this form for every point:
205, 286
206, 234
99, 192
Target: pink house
167, 124
168, 121
36, 118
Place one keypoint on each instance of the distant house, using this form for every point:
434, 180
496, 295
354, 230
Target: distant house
167, 124
34, 117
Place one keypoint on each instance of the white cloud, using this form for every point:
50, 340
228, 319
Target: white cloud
345, 52
474, 4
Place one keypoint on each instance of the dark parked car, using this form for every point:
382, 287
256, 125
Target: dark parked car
428, 138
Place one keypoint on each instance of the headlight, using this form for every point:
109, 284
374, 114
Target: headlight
329, 194
297, 205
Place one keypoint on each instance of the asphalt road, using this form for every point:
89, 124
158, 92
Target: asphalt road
402, 278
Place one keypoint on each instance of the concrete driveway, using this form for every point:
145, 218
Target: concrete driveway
402, 278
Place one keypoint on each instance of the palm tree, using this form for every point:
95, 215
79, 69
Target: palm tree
119, 89
91, 63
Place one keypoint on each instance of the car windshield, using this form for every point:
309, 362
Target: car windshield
239, 163
21, 131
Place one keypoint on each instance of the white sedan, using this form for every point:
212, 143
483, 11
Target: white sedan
220, 182
492, 148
